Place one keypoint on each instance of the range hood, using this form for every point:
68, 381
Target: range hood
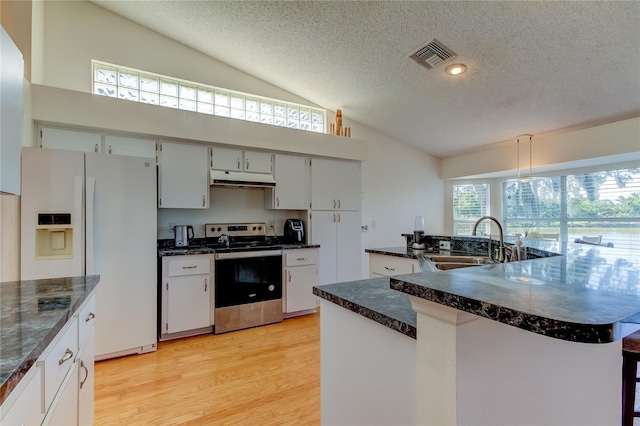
241, 179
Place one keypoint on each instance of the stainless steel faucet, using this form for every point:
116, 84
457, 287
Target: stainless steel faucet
501, 254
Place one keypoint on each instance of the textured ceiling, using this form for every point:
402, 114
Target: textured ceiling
533, 67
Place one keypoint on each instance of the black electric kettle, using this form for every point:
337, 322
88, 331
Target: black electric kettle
182, 233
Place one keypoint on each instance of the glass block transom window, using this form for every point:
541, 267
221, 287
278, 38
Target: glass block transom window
140, 86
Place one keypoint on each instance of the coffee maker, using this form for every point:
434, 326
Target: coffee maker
294, 231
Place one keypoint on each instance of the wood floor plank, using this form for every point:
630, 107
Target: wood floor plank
266, 375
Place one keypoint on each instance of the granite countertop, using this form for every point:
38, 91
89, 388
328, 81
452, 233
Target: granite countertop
167, 249
574, 292
373, 299
31, 315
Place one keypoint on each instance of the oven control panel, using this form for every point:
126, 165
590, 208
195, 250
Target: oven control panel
235, 229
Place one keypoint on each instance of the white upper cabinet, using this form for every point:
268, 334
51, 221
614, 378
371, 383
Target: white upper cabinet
258, 162
73, 140
226, 159
77, 140
183, 180
134, 147
230, 159
335, 185
292, 175
11, 81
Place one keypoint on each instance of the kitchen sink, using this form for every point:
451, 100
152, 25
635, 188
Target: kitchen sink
452, 265
476, 260
445, 263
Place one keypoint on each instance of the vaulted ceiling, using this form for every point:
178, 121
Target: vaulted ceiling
532, 66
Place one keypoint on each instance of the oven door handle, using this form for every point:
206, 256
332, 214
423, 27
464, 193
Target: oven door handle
248, 254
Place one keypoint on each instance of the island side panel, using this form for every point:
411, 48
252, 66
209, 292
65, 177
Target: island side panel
511, 376
367, 371
506, 375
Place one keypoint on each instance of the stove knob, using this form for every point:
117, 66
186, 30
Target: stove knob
254, 228
259, 228
219, 229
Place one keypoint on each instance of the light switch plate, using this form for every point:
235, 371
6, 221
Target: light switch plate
445, 245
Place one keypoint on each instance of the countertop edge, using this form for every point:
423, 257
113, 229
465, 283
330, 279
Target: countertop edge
558, 329
12, 381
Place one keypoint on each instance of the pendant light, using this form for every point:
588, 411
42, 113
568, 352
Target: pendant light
524, 137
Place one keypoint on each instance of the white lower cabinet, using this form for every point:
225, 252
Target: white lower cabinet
300, 275
25, 406
86, 382
339, 236
64, 410
381, 265
58, 388
187, 295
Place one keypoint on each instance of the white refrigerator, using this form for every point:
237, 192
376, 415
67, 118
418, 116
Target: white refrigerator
84, 214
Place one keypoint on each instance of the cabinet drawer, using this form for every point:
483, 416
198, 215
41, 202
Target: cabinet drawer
390, 265
59, 360
299, 257
189, 267
86, 320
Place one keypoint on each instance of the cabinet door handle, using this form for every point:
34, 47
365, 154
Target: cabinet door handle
289, 272
277, 201
90, 317
338, 203
338, 217
203, 200
86, 372
389, 269
334, 204
109, 149
189, 267
334, 218
68, 354
95, 148
205, 284
247, 164
302, 258
238, 163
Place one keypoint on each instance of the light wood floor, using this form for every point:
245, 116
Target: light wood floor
267, 375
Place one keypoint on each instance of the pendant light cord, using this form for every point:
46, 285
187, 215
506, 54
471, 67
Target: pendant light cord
530, 154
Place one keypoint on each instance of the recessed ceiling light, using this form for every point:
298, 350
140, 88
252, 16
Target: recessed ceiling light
456, 69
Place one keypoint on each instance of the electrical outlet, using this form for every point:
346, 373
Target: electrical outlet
445, 245
271, 224
172, 225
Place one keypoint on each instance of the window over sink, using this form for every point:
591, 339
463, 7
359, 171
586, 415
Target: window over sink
604, 205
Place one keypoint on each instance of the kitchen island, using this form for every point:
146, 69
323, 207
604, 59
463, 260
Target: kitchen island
33, 314
530, 342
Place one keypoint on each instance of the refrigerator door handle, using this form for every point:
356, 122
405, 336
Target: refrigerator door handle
78, 265
90, 197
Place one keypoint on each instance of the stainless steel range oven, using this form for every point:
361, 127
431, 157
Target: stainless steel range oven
248, 277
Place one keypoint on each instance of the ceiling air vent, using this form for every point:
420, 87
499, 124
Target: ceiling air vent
432, 54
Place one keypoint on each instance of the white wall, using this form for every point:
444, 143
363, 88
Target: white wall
603, 144
226, 205
398, 181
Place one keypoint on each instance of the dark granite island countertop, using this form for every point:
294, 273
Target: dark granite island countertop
584, 295
31, 315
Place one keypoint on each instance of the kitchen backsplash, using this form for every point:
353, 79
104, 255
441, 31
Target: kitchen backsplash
226, 205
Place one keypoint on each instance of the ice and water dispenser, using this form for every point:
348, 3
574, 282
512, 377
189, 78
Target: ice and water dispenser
54, 236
